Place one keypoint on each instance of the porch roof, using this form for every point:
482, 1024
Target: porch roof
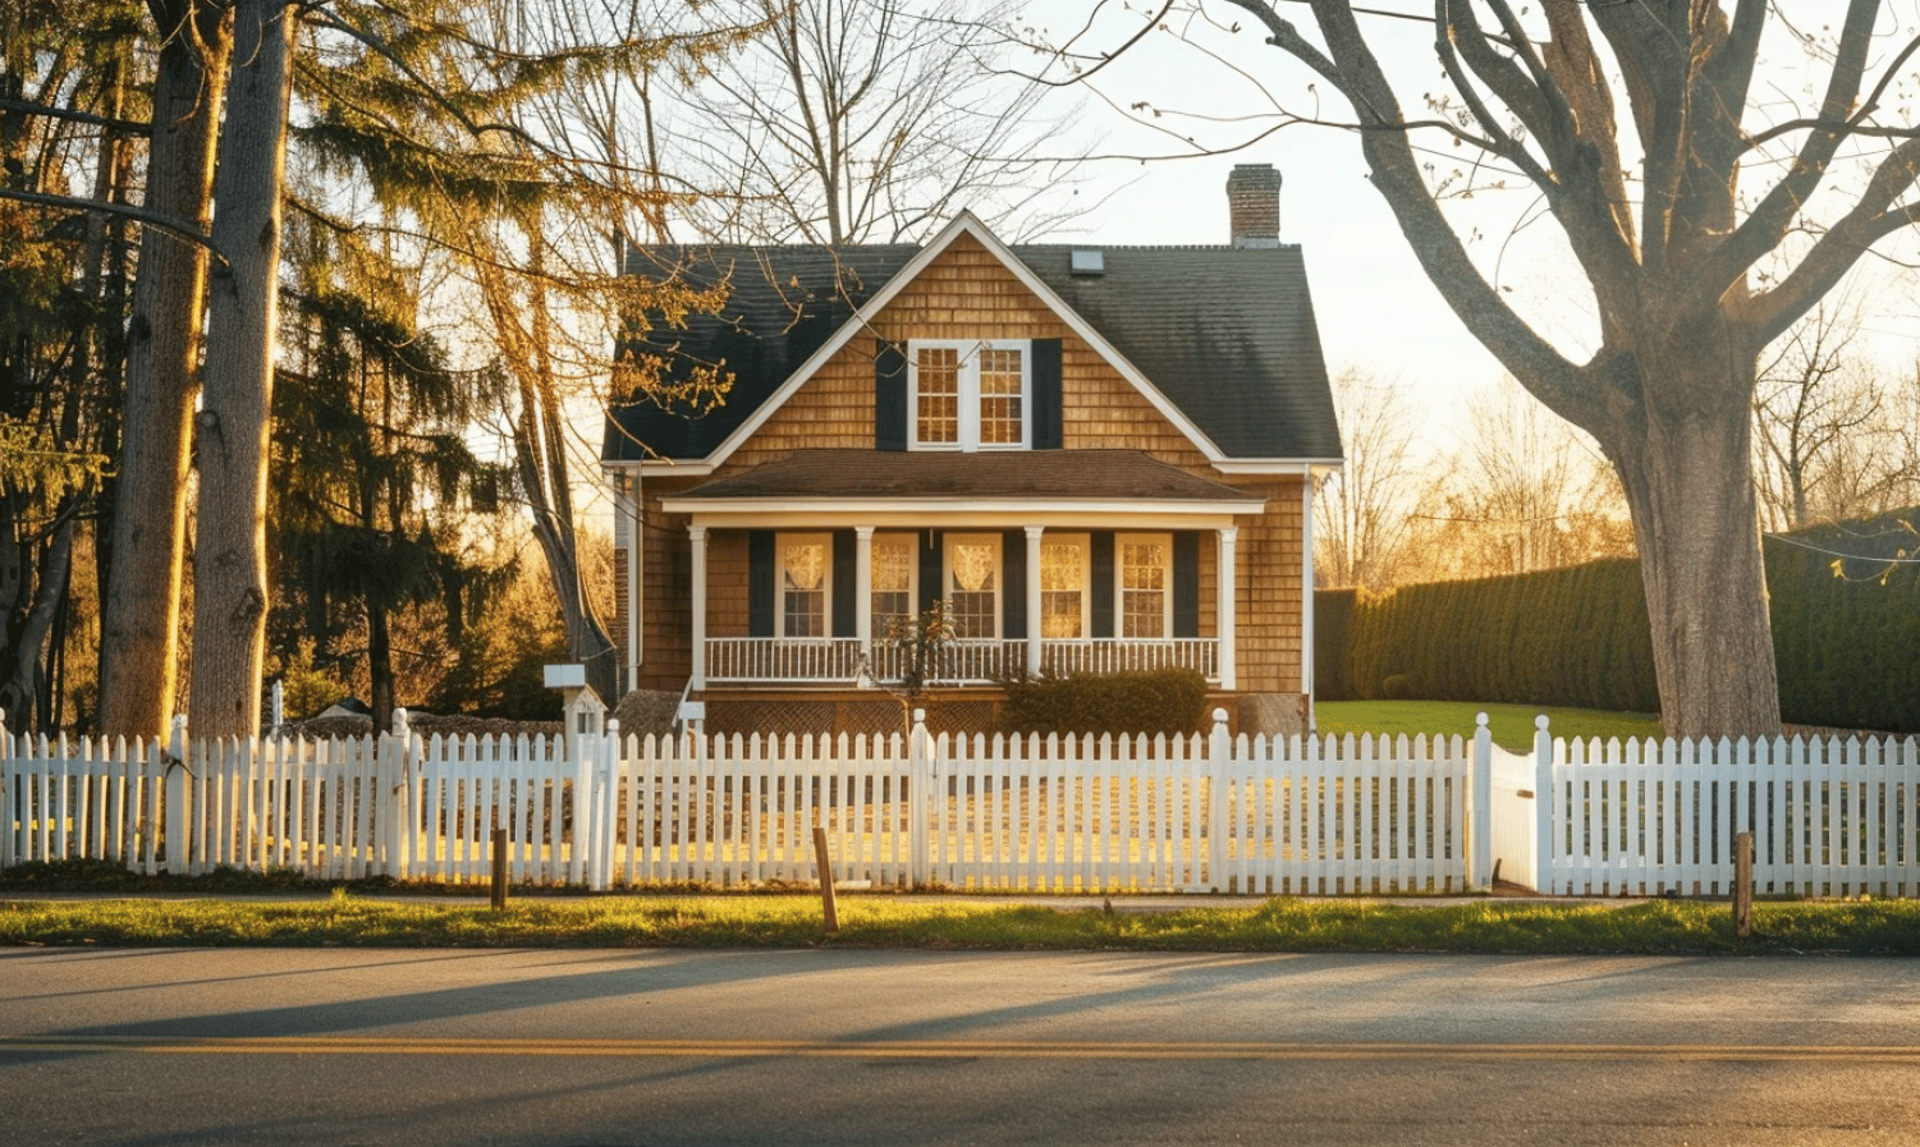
920, 476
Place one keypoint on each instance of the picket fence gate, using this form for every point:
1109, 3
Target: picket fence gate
1285, 815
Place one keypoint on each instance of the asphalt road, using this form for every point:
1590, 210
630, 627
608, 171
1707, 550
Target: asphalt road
338, 1046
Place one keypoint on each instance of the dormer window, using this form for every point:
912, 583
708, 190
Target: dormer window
969, 395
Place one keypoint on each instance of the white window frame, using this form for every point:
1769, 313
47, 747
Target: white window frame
1083, 543
780, 543
1120, 585
969, 388
913, 578
947, 545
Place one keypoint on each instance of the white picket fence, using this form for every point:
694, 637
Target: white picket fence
1044, 814
1049, 814
1240, 814
339, 808
1829, 817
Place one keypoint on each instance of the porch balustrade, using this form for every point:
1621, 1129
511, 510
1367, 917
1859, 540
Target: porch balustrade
838, 660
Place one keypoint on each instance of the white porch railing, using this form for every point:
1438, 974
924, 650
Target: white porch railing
1132, 655
973, 661
766, 659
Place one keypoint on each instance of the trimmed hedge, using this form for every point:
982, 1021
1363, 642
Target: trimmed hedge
1847, 649
1167, 701
1846, 634
1332, 635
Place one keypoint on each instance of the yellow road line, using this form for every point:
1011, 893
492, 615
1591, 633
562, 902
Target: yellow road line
937, 1049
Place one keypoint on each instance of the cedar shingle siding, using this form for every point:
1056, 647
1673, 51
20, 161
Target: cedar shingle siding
1226, 335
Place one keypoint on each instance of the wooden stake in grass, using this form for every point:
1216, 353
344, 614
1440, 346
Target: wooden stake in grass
825, 870
1743, 885
499, 869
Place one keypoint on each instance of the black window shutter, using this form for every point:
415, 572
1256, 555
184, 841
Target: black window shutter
846, 597
1013, 584
1102, 587
889, 396
1186, 583
930, 589
1046, 394
759, 583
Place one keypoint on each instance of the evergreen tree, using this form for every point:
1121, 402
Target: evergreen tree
373, 477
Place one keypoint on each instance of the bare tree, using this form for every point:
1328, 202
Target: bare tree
863, 122
1364, 514
1695, 226
1525, 493
1833, 439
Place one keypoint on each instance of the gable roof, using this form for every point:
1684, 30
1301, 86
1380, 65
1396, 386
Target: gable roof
1222, 338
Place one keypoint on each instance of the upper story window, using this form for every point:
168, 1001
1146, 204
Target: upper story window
970, 394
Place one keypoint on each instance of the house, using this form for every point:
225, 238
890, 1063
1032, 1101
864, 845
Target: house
1101, 457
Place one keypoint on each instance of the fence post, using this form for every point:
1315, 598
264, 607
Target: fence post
1480, 809
174, 810
7, 813
1546, 799
606, 805
582, 820
920, 774
396, 793
1219, 753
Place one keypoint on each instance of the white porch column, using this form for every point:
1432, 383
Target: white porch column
1033, 598
863, 591
698, 536
1225, 585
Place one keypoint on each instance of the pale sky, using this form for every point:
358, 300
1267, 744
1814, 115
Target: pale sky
1375, 307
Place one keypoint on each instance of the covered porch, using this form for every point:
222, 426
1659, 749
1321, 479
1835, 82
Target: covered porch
1068, 562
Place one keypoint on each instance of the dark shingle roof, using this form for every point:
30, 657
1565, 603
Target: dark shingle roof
1080, 475
1227, 334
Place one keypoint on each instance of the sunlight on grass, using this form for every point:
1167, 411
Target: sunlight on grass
1278, 925
1511, 725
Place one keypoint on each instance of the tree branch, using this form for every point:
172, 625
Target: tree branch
150, 218
1871, 219
1768, 223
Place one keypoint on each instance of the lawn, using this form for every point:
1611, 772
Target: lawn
1279, 925
1512, 725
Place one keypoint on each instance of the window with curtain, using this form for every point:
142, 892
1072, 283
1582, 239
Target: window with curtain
805, 560
1145, 585
973, 584
1063, 587
894, 557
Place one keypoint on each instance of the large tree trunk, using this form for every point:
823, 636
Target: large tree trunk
380, 667
229, 564
1687, 468
140, 624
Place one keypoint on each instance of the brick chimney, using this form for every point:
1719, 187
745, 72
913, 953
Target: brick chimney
1253, 203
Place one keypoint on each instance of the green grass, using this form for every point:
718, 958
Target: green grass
1511, 725
1280, 925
